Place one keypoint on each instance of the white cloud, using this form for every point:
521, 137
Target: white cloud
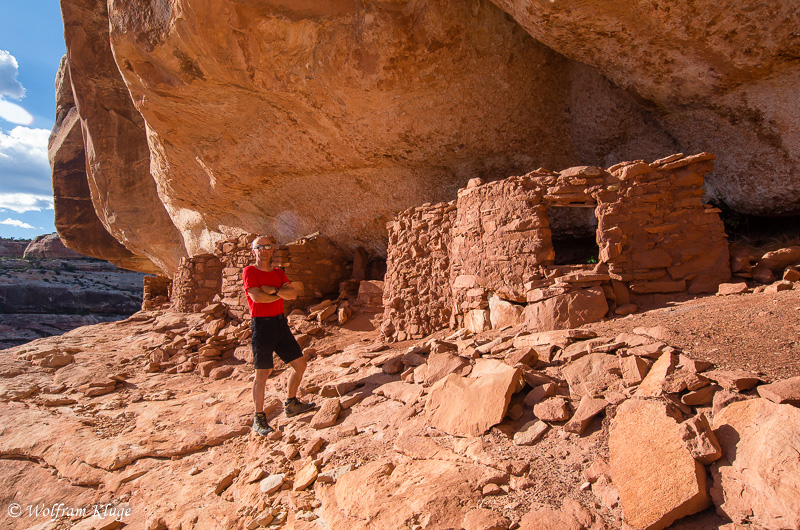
9, 86
13, 113
24, 202
24, 167
17, 223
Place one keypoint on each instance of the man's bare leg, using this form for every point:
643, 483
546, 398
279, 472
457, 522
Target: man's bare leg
259, 384
298, 368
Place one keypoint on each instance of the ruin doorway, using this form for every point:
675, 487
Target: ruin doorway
574, 234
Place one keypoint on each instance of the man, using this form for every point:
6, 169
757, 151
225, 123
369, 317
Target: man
266, 289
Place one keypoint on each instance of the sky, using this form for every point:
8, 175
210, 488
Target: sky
31, 47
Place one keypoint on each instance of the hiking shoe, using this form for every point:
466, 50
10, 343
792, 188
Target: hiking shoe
260, 425
293, 407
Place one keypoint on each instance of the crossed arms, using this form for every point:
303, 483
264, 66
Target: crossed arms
267, 293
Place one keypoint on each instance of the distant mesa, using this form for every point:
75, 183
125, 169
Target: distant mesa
49, 246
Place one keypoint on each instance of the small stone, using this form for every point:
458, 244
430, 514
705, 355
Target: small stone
588, 408
552, 409
312, 447
700, 397
327, 415
539, 394
306, 476
220, 372
491, 489
226, 481
738, 380
786, 391
731, 288
531, 432
700, 439
272, 483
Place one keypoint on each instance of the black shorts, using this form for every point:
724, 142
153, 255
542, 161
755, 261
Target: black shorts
272, 334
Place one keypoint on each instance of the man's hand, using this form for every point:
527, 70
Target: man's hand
287, 292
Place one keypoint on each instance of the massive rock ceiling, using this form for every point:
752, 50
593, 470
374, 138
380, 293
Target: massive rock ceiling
201, 120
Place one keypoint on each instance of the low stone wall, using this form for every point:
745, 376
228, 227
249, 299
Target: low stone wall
656, 241
314, 264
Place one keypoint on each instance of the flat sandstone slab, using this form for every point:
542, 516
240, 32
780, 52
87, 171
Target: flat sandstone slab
656, 477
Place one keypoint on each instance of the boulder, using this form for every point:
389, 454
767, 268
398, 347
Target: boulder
503, 313
785, 391
657, 478
569, 310
469, 406
590, 375
443, 364
757, 480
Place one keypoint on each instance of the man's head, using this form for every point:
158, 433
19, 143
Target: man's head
263, 247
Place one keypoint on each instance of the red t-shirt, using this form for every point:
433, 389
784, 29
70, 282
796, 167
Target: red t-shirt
255, 277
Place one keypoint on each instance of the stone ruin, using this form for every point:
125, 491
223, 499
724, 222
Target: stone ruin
487, 259
493, 257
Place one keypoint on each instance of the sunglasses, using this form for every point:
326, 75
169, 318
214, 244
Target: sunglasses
259, 247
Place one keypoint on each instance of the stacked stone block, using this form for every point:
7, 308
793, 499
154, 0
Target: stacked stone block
196, 282
657, 241
656, 235
417, 297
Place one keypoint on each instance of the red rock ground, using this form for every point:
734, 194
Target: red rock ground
162, 443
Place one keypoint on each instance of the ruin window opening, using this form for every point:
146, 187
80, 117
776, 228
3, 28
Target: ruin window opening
574, 234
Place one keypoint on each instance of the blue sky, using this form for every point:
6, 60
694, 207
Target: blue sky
31, 47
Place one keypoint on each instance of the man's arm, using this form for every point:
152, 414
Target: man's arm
267, 293
263, 295
287, 292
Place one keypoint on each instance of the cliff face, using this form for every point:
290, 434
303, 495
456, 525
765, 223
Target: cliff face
719, 75
204, 120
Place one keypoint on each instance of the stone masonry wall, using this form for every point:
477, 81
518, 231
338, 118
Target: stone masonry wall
196, 282
418, 300
313, 264
656, 241
655, 233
